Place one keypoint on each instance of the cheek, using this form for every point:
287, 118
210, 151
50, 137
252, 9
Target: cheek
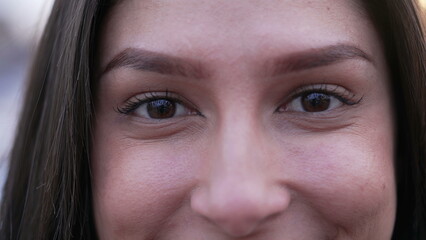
349, 178
138, 186
345, 176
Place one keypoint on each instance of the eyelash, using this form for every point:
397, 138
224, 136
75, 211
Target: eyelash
132, 104
340, 93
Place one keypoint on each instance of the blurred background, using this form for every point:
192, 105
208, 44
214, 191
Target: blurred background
21, 23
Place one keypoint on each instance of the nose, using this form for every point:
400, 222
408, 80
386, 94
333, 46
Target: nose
242, 189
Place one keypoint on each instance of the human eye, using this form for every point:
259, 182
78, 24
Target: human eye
319, 98
157, 106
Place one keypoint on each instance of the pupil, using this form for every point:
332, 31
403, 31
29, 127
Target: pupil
315, 102
161, 108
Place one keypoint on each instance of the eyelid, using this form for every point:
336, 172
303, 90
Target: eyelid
340, 93
134, 102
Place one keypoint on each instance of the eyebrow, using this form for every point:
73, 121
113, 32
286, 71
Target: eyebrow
144, 60
315, 58
148, 61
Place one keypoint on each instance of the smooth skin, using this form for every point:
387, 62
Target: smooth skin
242, 119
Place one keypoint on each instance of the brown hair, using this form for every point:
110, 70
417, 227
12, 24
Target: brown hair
400, 27
48, 190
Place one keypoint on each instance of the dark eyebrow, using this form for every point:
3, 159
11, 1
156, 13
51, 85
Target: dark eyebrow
314, 58
144, 60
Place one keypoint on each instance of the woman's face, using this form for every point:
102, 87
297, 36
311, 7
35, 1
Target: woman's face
242, 119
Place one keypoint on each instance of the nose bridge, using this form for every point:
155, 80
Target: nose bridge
238, 144
240, 190
239, 158
238, 150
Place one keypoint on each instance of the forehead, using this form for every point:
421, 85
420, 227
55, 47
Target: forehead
234, 30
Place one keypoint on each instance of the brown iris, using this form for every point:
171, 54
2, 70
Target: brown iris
315, 102
161, 108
